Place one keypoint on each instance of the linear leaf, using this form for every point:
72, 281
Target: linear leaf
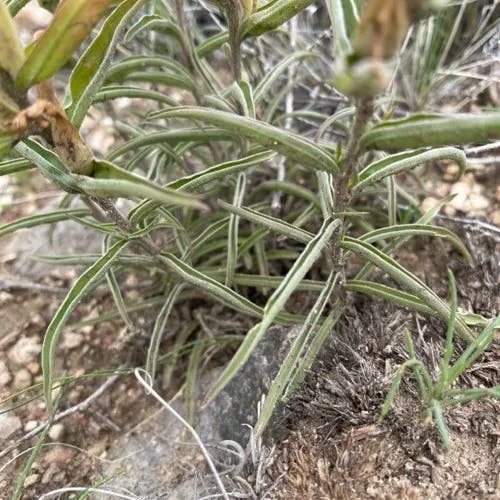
405, 230
289, 365
272, 76
271, 16
274, 224
50, 164
195, 181
173, 137
401, 162
36, 220
285, 142
232, 240
88, 75
13, 166
405, 278
159, 328
109, 92
432, 131
390, 294
11, 52
82, 285
73, 21
153, 22
115, 181
276, 302
210, 286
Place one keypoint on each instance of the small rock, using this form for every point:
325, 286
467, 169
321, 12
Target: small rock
72, 340
56, 432
495, 217
58, 455
9, 424
25, 350
22, 379
469, 197
31, 480
49, 473
33, 367
5, 376
30, 425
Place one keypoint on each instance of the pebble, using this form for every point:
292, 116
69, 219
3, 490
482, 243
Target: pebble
30, 425
25, 350
72, 340
9, 424
5, 376
33, 367
56, 432
31, 480
22, 379
469, 197
58, 455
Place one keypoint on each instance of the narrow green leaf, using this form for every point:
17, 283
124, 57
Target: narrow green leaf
407, 160
195, 181
426, 218
8, 167
173, 137
405, 230
432, 131
390, 294
82, 285
210, 286
273, 75
271, 16
11, 52
123, 69
73, 21
338, 17
159, 327
111, 180
213, 43
474, 350
405, 278
109, 92
88, 75
115, 287
444, 434
50, 165
285, 142
153, 22
46, 218
232, 239
289, 365
276, 302
272, 223
317, 342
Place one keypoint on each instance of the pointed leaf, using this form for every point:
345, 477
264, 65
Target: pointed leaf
276, 302
82, 285
72, 23
36, 220
432, 130
88, 75
401, 162
293, 146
